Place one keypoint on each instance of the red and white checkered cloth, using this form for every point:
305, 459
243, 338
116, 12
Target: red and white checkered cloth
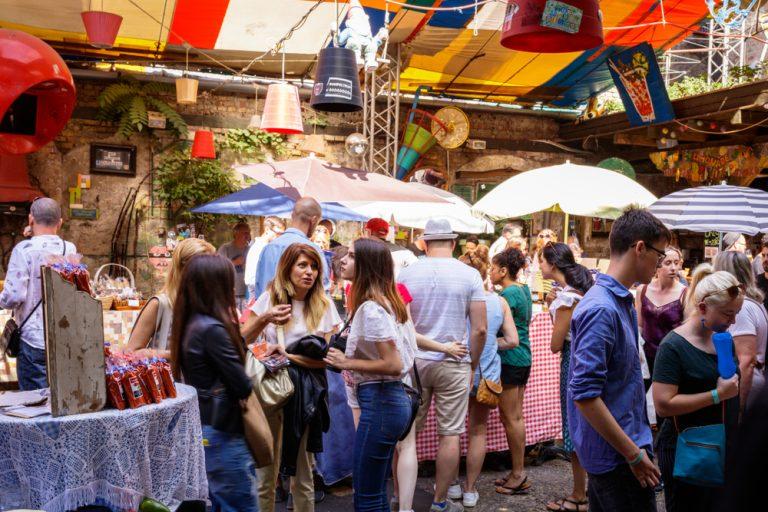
541, 404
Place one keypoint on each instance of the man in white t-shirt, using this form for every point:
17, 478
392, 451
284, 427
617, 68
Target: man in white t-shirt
273, 227
447, 296
378, 229
509, 232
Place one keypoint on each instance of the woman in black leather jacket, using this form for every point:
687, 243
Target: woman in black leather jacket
208, 353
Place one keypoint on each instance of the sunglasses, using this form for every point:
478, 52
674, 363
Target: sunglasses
733, 292
545, 235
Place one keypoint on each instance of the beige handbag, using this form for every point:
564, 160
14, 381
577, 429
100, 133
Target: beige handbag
272, 389
258, 435
488, 392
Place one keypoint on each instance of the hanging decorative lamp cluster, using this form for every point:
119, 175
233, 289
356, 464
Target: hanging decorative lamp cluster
552, 26
101, 27
282, 108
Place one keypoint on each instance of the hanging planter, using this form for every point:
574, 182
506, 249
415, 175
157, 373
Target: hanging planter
101, 27
203, 145
186, 90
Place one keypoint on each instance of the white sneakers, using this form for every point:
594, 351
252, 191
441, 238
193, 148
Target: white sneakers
454, 492
469, 499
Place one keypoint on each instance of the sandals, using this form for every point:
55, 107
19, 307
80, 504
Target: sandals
501, 481
512, 491
560, 504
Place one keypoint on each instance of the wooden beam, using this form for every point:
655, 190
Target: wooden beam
631, 139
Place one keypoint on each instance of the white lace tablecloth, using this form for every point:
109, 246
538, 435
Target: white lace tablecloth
112, 457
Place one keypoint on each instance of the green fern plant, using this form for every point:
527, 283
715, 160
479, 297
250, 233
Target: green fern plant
127, 102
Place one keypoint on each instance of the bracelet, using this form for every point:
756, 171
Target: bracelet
715, 396
636, 460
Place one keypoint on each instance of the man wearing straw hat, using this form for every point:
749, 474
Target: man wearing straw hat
23, 288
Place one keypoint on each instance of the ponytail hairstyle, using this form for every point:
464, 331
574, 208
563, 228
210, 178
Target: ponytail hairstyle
561, 257
714, 288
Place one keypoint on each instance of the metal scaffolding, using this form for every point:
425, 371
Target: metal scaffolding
381, 114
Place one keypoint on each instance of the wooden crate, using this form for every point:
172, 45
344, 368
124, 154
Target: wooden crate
74, 341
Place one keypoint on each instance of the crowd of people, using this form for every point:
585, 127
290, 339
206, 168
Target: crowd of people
452, 334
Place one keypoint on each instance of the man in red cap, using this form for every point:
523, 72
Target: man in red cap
379, 229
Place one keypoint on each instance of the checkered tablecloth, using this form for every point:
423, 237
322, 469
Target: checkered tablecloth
541, 405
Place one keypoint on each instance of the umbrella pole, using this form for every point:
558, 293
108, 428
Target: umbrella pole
565, 228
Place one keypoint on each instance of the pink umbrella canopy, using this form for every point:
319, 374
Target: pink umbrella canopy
328, 182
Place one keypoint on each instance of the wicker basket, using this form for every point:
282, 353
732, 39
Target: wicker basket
130, 274
106, 302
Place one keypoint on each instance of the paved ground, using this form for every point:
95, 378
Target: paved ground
549, 481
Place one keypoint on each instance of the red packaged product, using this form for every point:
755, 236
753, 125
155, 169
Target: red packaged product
153, 382
115, 393
133, 389
141, 373
167, 376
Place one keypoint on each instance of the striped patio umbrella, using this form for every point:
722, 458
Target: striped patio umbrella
722, 208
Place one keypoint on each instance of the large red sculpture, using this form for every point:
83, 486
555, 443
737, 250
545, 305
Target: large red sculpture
37, 93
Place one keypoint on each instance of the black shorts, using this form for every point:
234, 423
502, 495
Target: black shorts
515, 375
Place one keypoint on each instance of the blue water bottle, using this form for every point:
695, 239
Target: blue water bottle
724, 346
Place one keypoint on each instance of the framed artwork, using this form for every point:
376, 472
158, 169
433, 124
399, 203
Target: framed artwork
113, 159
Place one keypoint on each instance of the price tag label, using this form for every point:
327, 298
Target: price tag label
561, 16
133, 303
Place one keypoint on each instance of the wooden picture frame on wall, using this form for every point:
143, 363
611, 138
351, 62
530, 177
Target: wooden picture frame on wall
113, 159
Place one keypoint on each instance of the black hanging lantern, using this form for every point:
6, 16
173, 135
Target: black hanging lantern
337, 86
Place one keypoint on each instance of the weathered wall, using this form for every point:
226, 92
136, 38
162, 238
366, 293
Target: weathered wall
54, 169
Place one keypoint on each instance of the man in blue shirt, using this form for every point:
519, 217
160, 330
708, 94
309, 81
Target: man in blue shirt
606, 397
304, 219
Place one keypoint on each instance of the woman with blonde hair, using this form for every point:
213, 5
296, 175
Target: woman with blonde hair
751, 328
687, 388
152, 329
294, 306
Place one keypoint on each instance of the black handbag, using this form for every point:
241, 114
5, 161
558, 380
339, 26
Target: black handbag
11, 337
339, 342
414, 395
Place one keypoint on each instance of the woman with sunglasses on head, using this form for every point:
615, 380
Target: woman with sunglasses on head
380, 351
660, 305
515, 365
293, 307
750, 332
545, 237
208, 353
687, 388
559, 264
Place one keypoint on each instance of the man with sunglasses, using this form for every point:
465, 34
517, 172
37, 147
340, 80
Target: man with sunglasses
606, 403
22, 291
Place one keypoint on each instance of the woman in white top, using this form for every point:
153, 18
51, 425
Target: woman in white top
751, 328
295, 305
152, 330
380, 351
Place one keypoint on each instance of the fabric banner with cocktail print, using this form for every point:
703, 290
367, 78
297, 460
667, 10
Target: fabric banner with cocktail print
638, 78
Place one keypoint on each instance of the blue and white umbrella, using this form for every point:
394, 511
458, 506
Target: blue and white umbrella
722, 208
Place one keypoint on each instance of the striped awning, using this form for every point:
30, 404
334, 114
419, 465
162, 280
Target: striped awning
456, 53
722, 208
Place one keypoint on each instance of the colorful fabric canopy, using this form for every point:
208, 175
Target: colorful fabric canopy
443, 50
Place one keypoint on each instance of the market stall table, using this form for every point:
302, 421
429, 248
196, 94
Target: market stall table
113, 457
541, 405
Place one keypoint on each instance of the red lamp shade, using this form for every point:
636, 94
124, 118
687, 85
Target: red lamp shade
37, 93
203, 146
101, 27
282, 110
524, 26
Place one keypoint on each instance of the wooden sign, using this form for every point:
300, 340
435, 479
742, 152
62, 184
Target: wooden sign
113, 159
74, 341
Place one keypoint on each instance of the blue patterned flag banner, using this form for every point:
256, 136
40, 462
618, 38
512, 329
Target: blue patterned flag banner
638, 78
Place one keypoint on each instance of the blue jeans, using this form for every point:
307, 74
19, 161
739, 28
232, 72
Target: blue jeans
231, 472
619, 491
385, 411
31, 368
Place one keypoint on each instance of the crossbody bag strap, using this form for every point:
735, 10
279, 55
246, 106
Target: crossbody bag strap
26, 319
416, 376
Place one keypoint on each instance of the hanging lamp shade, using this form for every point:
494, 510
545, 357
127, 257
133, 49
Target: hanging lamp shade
282, 110
186, 90
552, 26
203, 146
101, 27
337, 86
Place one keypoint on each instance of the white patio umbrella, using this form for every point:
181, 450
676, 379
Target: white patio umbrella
575, 189
416, 214
720, 208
